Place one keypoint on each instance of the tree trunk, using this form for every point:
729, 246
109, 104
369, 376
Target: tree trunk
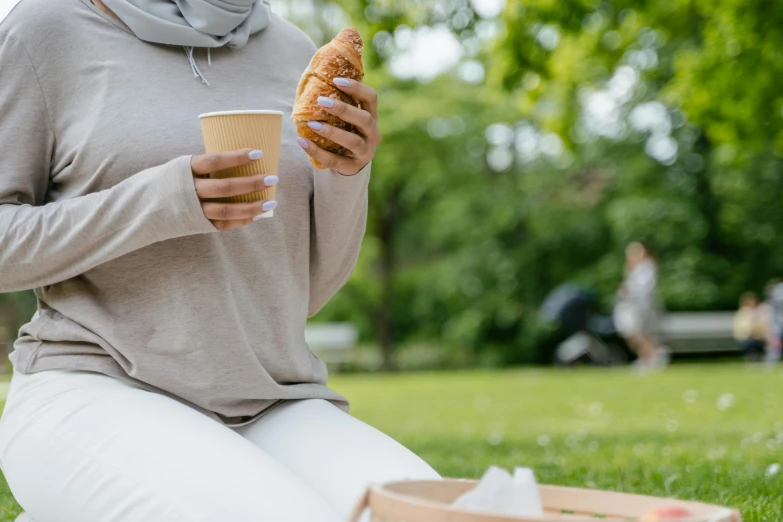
387, 228
708, 203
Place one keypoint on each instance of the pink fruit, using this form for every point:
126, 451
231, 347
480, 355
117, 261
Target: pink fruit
666, 513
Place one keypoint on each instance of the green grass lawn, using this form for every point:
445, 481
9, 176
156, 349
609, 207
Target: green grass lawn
707, 432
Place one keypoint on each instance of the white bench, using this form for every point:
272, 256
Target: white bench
332, 342
694, 332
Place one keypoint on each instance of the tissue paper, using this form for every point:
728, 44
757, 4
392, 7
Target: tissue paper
498, 492
526, 502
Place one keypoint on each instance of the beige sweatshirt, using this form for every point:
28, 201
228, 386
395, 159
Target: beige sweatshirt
99, 214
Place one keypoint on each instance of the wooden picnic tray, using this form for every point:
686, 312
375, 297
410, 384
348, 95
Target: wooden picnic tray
430, 501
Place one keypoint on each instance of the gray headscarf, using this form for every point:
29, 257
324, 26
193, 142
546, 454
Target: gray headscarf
193, 23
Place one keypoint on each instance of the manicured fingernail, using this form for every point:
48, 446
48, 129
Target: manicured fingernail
255, 155
315, 125
258, 217
342, 82
323, 101
269, 205
271, 180
302, 142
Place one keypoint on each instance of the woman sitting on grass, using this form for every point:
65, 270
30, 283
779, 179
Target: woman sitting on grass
165, 376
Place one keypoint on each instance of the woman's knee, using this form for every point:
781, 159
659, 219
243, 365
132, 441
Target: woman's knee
337, 454
298, 427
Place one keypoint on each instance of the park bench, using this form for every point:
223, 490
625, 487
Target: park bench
333, 343
680, 333
699, 332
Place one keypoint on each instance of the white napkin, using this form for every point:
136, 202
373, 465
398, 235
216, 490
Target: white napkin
499, 492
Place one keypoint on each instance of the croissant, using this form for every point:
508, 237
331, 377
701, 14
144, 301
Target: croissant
340, 58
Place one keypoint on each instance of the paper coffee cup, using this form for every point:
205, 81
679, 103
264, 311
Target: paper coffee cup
232, 130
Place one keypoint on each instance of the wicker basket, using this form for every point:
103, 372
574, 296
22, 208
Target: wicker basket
429, 501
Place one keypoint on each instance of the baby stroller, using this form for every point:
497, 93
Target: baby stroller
580, 334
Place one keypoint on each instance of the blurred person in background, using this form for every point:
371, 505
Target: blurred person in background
751, 326
773, 311
165, 375
637, 312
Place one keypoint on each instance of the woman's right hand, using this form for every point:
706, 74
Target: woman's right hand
225, 216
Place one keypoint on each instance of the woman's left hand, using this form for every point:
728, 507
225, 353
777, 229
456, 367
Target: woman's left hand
361, 147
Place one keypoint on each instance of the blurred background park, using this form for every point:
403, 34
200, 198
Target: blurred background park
526, 143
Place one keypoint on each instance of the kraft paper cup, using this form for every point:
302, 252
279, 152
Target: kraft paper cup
232, 130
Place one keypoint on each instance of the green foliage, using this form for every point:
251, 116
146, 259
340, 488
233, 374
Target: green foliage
427, 178
712, 213
15, 309
477, 249
486, 196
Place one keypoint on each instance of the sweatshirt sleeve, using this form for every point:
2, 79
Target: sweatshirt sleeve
339, 219
44, 243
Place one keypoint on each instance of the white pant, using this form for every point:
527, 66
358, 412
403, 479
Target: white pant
78, 446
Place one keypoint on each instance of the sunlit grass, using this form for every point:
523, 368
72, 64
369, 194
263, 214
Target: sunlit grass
707, 432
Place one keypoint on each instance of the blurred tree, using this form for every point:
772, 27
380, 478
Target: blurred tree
431, 161
622, 120
676, 103
15, 309
423, 175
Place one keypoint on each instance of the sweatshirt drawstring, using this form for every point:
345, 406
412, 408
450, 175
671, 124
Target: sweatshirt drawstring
194, 66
